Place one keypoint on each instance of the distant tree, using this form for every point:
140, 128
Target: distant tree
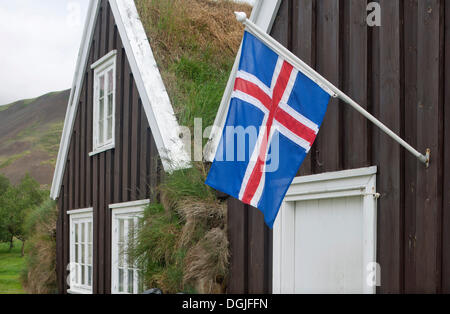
4, 185
17, 202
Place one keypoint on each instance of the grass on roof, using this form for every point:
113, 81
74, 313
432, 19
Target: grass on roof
195, 44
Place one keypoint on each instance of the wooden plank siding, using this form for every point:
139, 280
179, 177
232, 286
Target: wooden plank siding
399, 72
303, 45
328, 157
430, 130
411, 74
446, 170
128, 172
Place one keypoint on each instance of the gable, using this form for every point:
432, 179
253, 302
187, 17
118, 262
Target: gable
151, 92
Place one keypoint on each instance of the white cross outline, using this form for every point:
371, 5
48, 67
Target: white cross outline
277, 125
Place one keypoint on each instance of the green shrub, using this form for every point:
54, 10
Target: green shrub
156, 250
40, 273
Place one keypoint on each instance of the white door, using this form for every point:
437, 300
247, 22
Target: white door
325, 234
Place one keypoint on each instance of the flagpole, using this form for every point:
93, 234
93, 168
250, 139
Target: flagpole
325, 84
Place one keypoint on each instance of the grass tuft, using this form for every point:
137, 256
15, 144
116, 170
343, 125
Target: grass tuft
186, 183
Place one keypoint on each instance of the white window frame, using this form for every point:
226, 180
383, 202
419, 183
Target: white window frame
123, 210
101, 68
358, 182
80, 216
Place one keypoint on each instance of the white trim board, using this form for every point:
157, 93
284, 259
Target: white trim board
130, 204
331, 186
156, 102
263, 15
103, 59
80, 211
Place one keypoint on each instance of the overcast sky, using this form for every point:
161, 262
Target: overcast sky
40, 41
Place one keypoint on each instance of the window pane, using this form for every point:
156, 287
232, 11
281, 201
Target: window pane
76, 233
110, 128
110, 104
102, 86
140, 283
130, 281
75, 278
110, 81
121, 280
101, 109
76, 253
90, 232
78, 274
82, 253
130, 242
131, 228
121, 230
83, 225
89, 254
79, 260
89, 275
121, 255
82, 275
100, 132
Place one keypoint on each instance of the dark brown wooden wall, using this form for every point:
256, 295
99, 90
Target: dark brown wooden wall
399, 72
129, 172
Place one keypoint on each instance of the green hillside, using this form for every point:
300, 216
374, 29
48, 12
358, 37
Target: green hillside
30, 131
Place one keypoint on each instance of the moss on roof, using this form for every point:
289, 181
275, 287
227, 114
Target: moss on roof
194, 43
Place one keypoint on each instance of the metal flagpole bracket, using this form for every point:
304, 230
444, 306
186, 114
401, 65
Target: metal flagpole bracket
428, 157
325, 84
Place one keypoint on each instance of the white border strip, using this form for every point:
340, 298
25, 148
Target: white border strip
105, 58
80, 211
130, 204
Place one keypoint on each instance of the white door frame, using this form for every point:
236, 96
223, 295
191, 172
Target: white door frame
358, 182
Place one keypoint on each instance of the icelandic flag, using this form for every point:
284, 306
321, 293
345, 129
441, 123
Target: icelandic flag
274, 116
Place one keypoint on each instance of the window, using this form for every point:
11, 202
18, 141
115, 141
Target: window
104, 102
81, 251
324, 238
125, 274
